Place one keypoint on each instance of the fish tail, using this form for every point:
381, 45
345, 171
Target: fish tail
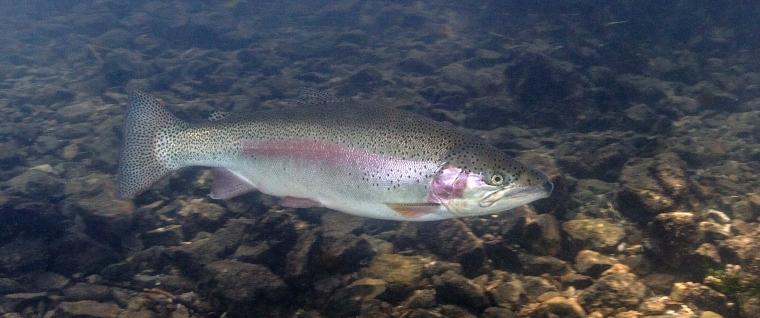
143, 157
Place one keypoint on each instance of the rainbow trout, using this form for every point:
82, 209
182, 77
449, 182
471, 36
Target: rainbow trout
369, 161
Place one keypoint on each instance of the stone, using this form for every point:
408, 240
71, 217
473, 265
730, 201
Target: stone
169, 235
453, 288
497, 312
596, 234
86, 291
401, 273
78, 253
259, 252
23, 255
345, 253
576, 280
86, 309
43, 281
416, 66
614, 291
421, 298
193, 256
238, 282
454, 241
94, 198
674, 236
348, 300
535, 286
559, 307
9, 286
199, 215
541, 235
545, 264
652, 186
592, 263
36, 183
642, 118
506, 294
699, 296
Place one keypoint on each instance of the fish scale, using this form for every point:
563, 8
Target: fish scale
361, 159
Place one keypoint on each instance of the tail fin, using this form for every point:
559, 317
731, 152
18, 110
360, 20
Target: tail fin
139, 162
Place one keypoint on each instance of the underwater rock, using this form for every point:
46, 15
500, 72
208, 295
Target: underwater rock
674, 236
497, 312
86, 309
544, 265
559, 307
11, 154
453, 240
43, 281
86, 291
76, 112
641, 88
699, 297
421, 298
239, 282
541, 235
9, 286
23, 255
506, 293
401, 273
78, 253
709, 96
538, 77
193, 256
169, 235
744, 250
453, 288
652, 186
613, 292
596, 234
535, 286
345, 254
642, 118
416, 66
592, 263
348, 301
94, 199
199, 215
35, 183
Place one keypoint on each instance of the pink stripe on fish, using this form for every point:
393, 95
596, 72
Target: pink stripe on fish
331, 153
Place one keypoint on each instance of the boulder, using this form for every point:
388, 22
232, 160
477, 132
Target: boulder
453, 288
592, 263
674, 236
595, 234
454, 241
613, 292
86, 309
401, 273
237, 282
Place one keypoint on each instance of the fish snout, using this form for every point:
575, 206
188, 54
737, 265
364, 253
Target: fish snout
546, 185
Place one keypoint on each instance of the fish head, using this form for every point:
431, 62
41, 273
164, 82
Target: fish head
488, 188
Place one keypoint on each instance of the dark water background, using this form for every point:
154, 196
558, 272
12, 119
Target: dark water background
644, 113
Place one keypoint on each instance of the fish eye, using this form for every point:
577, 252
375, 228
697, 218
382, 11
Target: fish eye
497, 179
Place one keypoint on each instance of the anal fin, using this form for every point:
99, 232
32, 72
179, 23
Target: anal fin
228, 184
414, 210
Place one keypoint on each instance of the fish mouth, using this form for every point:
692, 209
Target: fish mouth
515, 193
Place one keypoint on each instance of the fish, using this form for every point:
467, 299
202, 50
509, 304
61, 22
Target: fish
358, 158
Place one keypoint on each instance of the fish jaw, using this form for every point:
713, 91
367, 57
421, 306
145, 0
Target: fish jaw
464, 193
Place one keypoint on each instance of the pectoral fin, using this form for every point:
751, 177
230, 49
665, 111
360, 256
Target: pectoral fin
414, 210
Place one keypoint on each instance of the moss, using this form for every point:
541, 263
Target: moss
732, 284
